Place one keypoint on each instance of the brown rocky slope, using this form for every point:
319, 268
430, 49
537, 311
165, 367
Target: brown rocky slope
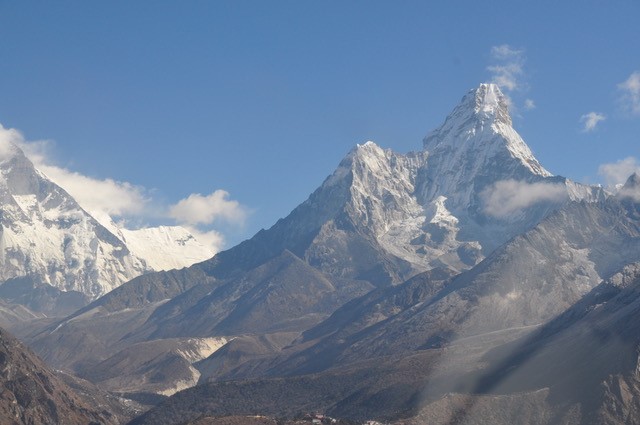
31, 394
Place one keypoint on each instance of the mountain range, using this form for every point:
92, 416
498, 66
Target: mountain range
463, 283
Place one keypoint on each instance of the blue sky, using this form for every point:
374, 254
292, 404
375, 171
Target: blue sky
262, 99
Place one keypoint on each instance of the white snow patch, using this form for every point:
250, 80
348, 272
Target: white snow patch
197, 349
166, 247
193, 350
182, 384
441, 214
27, 203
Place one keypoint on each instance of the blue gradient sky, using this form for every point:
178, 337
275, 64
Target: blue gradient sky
263, 98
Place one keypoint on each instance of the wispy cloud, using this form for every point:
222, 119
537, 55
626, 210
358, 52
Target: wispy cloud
507, 68
507, 197
108, 198
616, 173
505, 52
211, 238
591, 121
529, 105
630, 97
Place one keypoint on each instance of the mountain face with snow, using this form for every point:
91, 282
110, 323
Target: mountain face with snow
48, 238
463, 283
544, 330
528, 281
379, 219
384, 216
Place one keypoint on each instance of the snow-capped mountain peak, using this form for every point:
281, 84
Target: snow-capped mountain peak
46, 236
427, 208
491, 103
475, 147
481, 124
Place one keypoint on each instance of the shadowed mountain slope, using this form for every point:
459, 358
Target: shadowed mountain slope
31, 394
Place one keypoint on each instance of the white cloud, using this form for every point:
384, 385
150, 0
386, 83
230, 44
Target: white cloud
507, 197
506, 76
211, 238
505, 52
616, 174
198, 209
507, 70
630, 192
109, 196
591, 120
631, 93
529, 104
